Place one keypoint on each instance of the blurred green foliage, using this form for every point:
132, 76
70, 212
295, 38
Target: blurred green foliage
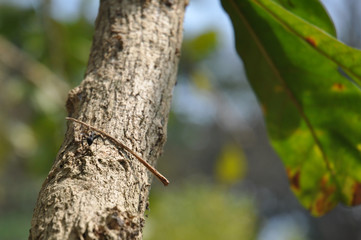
31, 116
231, 164
195, 51
63, 47
199, 211
201, 80
200, 47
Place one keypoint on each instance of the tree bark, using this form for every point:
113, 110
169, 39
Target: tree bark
99, 191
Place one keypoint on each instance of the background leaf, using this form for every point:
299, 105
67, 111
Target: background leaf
201, 46
230, 166
197, 211
311, 109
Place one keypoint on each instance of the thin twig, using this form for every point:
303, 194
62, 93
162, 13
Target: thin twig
163, 179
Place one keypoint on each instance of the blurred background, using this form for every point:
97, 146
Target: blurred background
227, 182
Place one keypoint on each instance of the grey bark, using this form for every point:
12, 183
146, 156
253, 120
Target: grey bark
101, 191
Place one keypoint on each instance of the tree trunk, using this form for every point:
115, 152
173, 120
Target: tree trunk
100, 191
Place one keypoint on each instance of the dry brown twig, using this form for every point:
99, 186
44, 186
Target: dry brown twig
163, 179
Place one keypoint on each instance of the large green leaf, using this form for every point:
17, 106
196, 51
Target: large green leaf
311, 109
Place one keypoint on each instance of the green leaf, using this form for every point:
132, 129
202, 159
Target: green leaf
311, 108
311, 11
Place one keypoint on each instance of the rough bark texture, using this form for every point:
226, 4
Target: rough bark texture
101, 191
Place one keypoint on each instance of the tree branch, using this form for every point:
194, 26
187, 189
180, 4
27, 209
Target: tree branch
163, 179
98, 192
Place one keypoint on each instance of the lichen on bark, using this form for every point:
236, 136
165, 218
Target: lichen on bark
100, 191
